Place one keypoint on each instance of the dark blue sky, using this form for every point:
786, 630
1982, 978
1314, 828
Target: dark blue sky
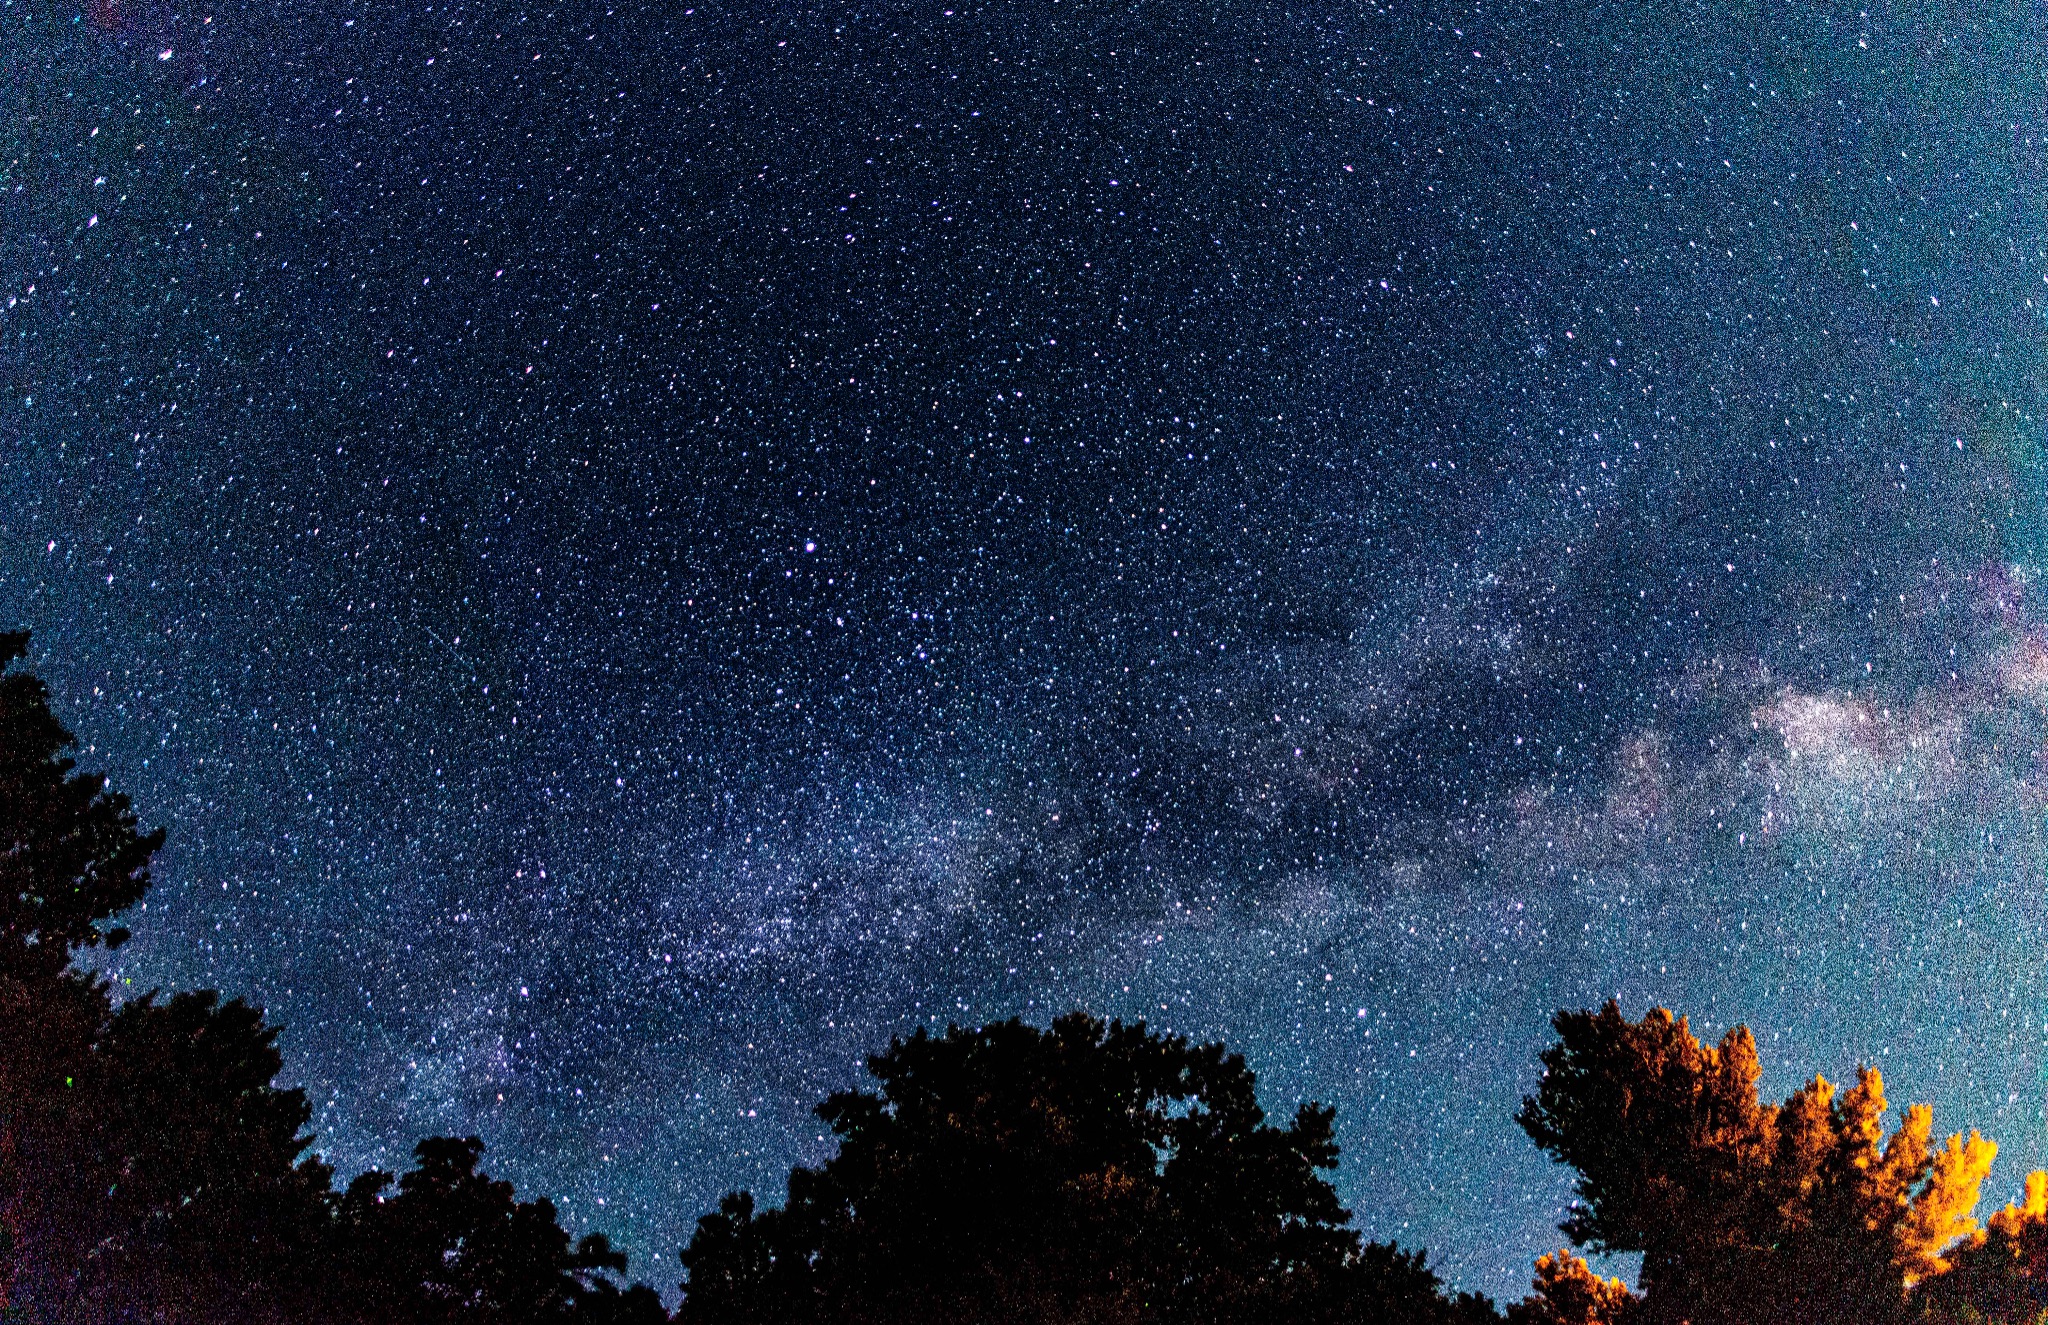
640, 551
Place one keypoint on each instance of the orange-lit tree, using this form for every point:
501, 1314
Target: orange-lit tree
1744, 1211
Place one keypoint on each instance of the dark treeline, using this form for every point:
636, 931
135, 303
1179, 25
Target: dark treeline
150, 1170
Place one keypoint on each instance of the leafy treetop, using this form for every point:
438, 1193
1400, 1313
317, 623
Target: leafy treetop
1086, 1172
70, 852
1745, 1211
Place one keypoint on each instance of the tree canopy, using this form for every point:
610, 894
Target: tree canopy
71, 855
152, 1169
454, 1245
1745, 1211
1086, 1172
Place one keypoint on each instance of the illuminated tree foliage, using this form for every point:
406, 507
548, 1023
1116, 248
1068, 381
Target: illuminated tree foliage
1746, 1212
1567, 1292
1999, 1276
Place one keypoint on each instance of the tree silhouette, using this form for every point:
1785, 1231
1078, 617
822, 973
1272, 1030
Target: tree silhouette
1383, 1285
70, 853
1746, 1212
454, 1246
150, 1170
166, 1178
1085, 1173
71, 856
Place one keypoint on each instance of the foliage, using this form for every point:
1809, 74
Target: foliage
1743, 1211
1567, 1292
149, 1169
1082, 1173
70, 854
1384, 1285
454, 1246
165, 1179
2000, 1276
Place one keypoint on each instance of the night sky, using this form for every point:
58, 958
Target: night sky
640, 551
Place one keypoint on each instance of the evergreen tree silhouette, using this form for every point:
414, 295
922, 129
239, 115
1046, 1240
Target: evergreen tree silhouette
1384, 1285
71, 855
172, 1188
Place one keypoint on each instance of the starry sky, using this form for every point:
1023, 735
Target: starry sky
640, 550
